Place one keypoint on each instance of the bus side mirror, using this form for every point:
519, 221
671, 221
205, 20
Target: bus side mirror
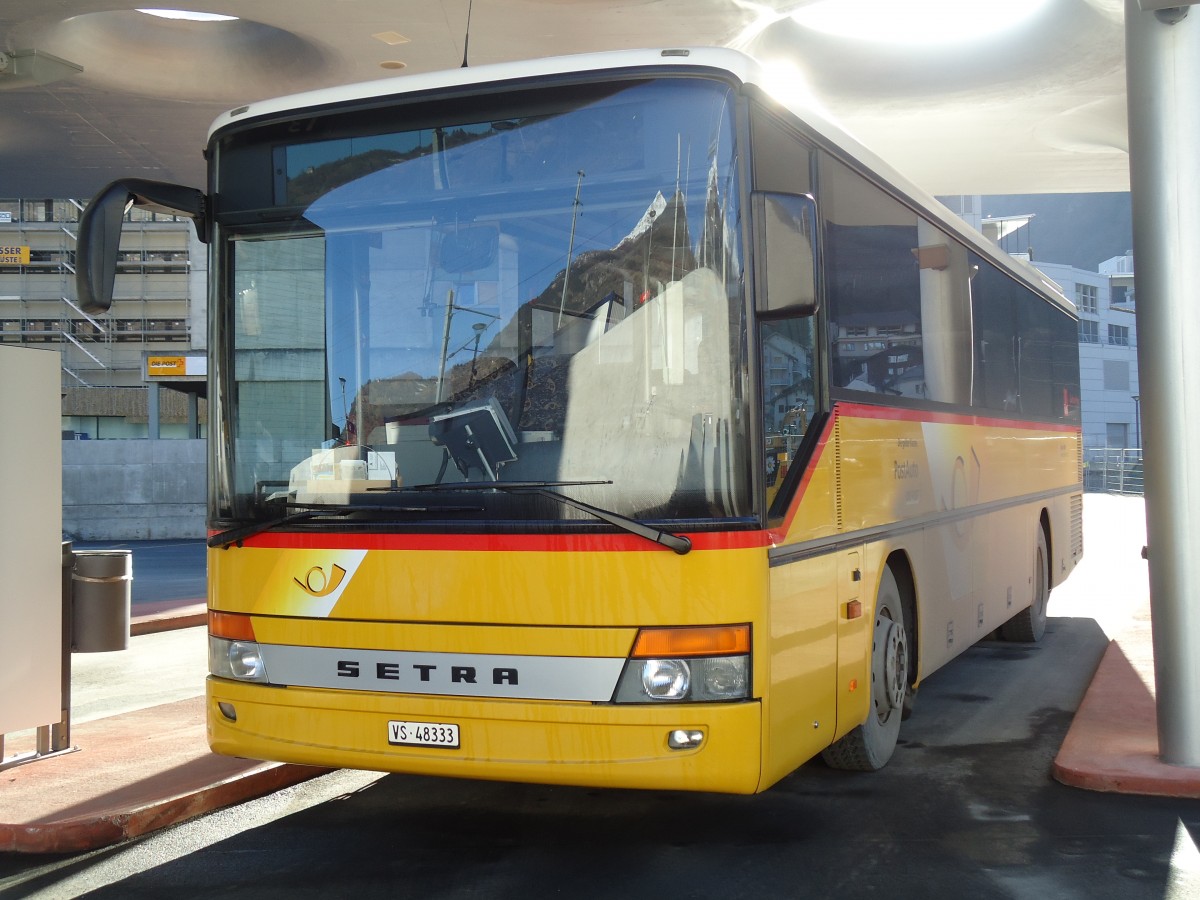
785, 252
100, 231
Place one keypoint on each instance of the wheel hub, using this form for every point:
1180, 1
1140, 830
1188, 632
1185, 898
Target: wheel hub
895, 665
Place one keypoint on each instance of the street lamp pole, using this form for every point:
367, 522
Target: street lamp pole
1137, 424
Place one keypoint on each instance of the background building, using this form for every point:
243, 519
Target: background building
117, 368
1107, 350
158, 313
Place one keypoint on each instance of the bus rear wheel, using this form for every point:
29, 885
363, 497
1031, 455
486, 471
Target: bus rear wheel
1029, 624
869, 746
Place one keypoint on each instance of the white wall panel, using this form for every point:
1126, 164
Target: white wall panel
30, 539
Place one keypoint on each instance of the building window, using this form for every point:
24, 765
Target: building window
1116, 375
37, 210
1119, 335
1089, 332
1085, 297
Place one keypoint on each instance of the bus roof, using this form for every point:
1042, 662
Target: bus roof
741, 67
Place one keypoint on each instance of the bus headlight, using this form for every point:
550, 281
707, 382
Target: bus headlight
704, 680
690, 664
726, 678
666, 679
236, 660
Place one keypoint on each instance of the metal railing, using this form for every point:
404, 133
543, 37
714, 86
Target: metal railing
1113, 470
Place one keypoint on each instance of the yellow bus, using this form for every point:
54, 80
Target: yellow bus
604, 421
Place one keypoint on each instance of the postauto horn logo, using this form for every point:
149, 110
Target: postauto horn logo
318, 584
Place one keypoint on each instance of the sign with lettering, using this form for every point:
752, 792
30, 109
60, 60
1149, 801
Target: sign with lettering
176, 366
14, 256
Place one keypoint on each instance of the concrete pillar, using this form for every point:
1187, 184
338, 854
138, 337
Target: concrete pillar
1162, 50
152, 414
193, 429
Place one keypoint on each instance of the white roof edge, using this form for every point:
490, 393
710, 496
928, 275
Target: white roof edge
732, 61
744, 68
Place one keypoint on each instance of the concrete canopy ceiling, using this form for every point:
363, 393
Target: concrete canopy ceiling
1036, 107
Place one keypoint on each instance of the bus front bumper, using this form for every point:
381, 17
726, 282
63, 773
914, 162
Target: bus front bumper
595, 745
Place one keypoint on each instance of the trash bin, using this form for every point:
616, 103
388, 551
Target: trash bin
101, 585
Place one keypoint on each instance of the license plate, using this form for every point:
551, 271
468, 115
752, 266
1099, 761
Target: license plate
423, 734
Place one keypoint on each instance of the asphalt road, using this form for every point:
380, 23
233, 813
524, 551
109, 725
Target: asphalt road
162, 570
967, 808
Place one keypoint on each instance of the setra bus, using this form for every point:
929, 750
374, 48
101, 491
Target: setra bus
604, 421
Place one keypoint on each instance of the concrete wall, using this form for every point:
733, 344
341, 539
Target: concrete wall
133, 490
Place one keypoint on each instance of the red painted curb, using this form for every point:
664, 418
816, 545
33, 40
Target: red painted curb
1112, 745
129, 774
104, 829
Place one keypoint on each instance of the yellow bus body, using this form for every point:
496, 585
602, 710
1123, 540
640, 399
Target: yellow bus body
958, 499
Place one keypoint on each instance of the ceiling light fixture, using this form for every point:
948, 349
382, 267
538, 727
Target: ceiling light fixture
188, 15
393, 64
391, 37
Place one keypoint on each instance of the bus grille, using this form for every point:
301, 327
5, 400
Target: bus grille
1077, 526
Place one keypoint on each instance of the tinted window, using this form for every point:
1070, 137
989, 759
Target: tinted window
994, 298
1026, 357
899, 320
872, 285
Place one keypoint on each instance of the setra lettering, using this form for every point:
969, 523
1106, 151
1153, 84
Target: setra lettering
429, 673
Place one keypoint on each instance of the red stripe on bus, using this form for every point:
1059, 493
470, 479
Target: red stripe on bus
503, 543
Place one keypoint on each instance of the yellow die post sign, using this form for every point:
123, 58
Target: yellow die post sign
166, 365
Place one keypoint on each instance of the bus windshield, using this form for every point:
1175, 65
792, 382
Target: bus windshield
531, 289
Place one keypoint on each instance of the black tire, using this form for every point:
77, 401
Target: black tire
869, 746
1029, 624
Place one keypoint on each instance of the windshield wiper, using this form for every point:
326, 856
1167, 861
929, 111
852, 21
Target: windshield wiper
677, 542
239, 533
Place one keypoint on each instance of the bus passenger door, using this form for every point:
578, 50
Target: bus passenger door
801, 713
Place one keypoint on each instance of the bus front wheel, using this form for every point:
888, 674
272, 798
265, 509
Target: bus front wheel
869, 746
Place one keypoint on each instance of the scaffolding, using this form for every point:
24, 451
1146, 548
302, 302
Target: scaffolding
158, 305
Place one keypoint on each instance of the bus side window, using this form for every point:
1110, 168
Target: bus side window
873, 286
786, 362
785, 255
